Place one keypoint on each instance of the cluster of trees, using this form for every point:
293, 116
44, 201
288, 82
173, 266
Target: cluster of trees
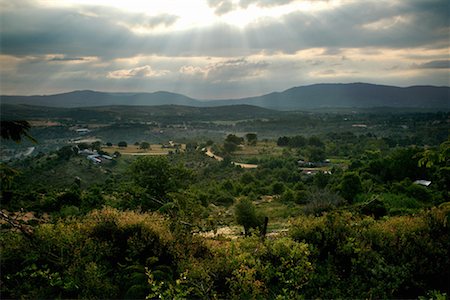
232, 142
299, 141
312, 148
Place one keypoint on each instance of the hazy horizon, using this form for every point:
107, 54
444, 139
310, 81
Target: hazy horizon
217, 99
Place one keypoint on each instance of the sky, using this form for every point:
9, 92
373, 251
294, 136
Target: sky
219, 49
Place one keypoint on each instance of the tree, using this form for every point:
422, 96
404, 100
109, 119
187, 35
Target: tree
315, 154
158, 177
431, 157
66, 152
229, 147
145, 145
231, 143
109, 144
350, 186
315, 141
231, 138
12, 130
122, 144
15, 130
252, 138
277, 188
297, 141
246, 216
283, 141
321, 180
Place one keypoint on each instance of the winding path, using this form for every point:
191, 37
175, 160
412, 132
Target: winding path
218, 158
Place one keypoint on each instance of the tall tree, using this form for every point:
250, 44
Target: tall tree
158, 177
350, 186
246, 215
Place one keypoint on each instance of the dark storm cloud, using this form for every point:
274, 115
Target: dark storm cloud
436, 64
98, 31
264, 3
35, 30
65, 58
361, 24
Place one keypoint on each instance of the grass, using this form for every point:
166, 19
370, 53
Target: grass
261, 150
278, 212
154, 149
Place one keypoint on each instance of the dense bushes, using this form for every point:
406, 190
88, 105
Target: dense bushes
91, 257
358, 257
246, 269
113, 254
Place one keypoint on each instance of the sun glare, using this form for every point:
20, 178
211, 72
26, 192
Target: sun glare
197, 13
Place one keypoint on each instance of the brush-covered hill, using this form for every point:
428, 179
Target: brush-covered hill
137, 113
92, 98
354, 95
359, 95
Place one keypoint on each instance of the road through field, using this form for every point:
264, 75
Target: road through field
218, 158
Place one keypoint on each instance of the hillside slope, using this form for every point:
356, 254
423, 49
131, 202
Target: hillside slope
357, 95
351, 95
92, 98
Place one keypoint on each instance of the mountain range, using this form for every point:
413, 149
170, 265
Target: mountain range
358, 95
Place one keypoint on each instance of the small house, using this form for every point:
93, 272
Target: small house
83, 131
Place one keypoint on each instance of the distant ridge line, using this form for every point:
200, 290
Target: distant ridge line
339, 95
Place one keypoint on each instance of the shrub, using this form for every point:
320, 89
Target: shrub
83, 257
246, 215
224, 199
277, 188
320, 201
277, 268
400, 204
374, 207
358, 257
287, 196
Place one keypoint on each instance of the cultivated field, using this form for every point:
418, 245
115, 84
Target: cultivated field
154, 149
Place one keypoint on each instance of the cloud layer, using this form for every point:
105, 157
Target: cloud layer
283, 44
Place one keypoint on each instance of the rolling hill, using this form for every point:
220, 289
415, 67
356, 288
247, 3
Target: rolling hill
358, 95
91, 98
137, 113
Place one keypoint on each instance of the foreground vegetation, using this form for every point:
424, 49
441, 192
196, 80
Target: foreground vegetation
109, 253
327, 215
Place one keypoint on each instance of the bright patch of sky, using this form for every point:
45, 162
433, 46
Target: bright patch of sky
197, 13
